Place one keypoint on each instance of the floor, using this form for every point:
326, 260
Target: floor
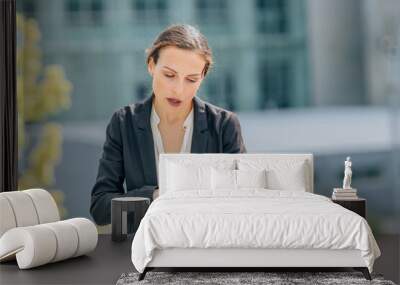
389, 262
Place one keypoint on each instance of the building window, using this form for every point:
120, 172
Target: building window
272, 16
275, 81
150, 11
282, 52
84, 12
212, 12
219, 90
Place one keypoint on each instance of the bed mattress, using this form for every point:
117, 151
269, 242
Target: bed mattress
250, 219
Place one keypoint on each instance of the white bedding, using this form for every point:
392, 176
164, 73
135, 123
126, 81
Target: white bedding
251, 218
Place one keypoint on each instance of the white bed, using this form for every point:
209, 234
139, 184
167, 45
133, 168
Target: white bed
203, 221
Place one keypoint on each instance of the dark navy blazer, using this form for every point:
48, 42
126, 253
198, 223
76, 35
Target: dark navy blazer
128, 152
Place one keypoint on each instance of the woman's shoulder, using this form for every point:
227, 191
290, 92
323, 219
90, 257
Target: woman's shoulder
131, 110
216, 112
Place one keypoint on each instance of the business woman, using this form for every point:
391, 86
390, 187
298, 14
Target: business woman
171, 120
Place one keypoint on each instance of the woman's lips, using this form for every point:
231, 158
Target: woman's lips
174, 102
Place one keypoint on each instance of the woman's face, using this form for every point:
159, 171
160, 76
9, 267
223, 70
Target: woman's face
176, 77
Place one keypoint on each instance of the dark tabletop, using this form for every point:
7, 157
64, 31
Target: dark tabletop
104, 265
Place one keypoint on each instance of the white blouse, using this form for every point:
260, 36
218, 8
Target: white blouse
158, 144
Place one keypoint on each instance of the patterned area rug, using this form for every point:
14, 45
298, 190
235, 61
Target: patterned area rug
229, 278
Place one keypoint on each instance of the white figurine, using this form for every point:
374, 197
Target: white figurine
347, 174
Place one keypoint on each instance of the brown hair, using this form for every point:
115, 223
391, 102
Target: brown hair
181, 36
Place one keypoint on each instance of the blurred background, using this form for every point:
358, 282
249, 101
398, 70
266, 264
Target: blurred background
303, 76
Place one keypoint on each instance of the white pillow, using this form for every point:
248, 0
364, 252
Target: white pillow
223, 179
188, 177
291, 179
236, 179
186, 173
281, 174
251, 178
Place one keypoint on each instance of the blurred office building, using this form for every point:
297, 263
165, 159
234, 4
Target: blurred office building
303, 76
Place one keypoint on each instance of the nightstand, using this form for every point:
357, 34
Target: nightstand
120, 207
358, 206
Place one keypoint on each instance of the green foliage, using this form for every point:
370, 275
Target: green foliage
41, 91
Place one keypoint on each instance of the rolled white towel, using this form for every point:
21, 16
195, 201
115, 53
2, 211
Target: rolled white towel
40, 244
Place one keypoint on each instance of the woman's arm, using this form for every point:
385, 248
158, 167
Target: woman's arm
232, 139
111, 175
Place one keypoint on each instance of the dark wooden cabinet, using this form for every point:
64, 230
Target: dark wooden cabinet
357, 206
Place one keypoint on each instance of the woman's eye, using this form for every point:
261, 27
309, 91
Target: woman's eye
192, 80
169, 75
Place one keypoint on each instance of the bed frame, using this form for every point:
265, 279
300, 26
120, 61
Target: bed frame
240, 259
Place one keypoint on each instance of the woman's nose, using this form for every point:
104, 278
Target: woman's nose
178, 87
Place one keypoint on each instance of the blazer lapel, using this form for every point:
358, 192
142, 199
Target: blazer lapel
146, 143
200, 127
